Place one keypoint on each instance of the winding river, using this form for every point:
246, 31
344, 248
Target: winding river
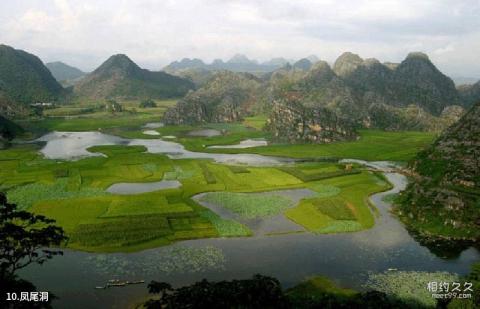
346, 258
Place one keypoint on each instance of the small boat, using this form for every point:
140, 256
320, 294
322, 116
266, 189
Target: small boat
392, 269
118, 283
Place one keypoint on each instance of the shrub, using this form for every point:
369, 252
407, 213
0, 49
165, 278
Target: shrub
148, 103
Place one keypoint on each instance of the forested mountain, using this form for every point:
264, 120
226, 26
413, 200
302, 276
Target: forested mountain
120, 77
444, 198
64, 72
24, 80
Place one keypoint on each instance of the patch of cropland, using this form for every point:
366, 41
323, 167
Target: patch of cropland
74, 194
373, 145
340, 205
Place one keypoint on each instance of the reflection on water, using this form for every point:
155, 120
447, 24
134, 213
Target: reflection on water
136, 188
248, 143
205, 133
74, 145
150, 132
153, 125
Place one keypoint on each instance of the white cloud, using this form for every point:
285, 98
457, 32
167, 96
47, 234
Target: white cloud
153, 33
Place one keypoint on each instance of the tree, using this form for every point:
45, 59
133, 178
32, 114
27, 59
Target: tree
148, 103
24, 239
258, 292
113, 106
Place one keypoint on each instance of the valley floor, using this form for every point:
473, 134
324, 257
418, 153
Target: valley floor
74, 192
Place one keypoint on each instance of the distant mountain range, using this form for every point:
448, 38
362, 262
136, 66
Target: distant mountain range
64, 73
411, 95
355, 92
24, 80
119, 77
238, 63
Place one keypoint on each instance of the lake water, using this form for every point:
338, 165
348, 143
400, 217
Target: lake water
205, 133
137, 188
150, 132
74, 145
153, 125
248, 143
347, 258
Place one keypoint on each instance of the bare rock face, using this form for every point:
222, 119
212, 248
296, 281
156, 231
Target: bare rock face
447, 186
292, 122
226, 97
347, 63
412, 117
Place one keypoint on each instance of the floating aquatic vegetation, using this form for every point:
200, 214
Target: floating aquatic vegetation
164, 260
248, 205
226, 227
410, 286
26, 196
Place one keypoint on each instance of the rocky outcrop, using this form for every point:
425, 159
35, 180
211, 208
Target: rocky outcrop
444, 199
412, 95
412, 117
416, 80
346, 64
469, 94
292, 122
226, 97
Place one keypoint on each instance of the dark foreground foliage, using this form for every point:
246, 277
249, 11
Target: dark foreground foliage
258, 292
23, 239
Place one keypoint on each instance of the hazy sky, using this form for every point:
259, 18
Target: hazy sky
153, 33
